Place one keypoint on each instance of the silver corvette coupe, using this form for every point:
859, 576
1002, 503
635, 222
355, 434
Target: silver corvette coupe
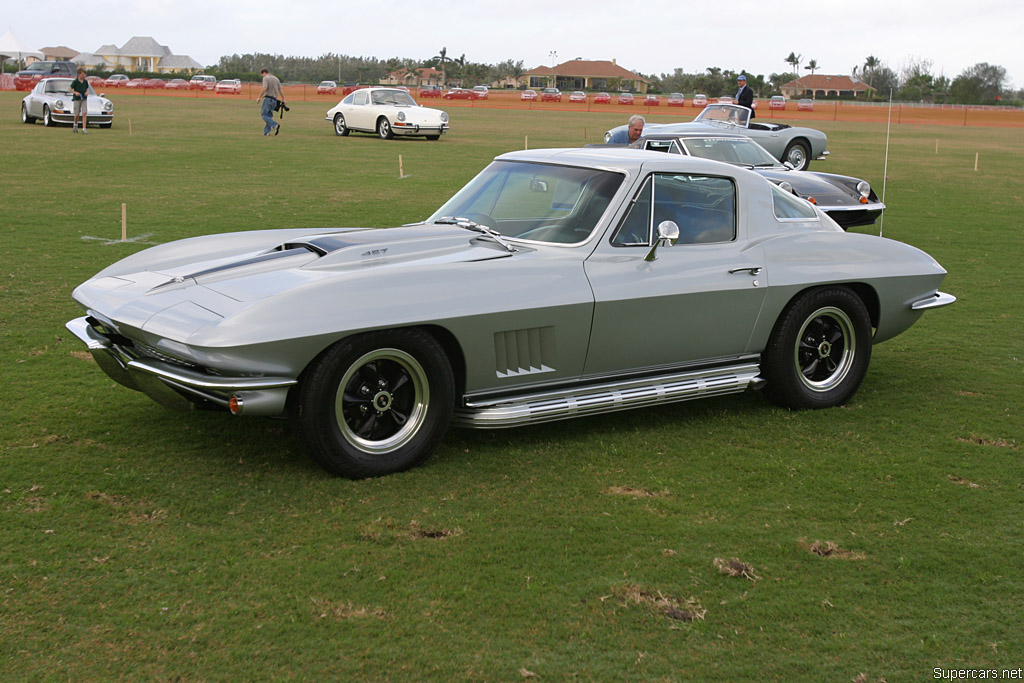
51, 102
558, 283
792, 144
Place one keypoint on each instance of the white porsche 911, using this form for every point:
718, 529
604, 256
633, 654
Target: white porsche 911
387, 112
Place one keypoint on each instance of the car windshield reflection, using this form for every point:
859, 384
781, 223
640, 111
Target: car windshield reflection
398, 98
724, 113
535, 202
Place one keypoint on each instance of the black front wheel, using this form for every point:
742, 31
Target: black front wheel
384, 128
47, 118
375, 403
819, 350
25, 118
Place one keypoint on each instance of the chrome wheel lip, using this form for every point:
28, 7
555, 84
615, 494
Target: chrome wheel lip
836, 320
414, 373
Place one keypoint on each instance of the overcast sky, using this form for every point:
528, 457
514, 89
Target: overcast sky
652, 37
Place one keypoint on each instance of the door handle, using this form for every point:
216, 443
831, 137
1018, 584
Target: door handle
753, 270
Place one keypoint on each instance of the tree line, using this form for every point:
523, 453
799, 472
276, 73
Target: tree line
982, 83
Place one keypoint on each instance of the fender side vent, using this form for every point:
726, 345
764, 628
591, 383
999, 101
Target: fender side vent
524, 352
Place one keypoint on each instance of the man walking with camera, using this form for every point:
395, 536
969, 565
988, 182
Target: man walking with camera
271, 94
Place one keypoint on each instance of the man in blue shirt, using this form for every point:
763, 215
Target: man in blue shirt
631, 134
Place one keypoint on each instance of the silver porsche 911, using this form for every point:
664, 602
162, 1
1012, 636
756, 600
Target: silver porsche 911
557, 283
51, 102
793, 144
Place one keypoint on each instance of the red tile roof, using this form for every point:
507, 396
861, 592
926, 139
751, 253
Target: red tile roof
587, 69
826, 82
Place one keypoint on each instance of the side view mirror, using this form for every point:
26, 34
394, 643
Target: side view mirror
538, 185
668, 234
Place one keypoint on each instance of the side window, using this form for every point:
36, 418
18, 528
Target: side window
704, 208
788, 206
359, 97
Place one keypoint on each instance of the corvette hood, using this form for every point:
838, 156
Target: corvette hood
175, 296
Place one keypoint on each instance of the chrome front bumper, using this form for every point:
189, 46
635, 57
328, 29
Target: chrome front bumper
179, 387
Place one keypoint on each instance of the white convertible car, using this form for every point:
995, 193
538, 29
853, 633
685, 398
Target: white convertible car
387, 112
51, 101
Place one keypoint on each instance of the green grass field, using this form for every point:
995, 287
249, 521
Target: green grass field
878, 541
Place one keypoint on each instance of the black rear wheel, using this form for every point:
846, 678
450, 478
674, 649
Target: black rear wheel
819, 351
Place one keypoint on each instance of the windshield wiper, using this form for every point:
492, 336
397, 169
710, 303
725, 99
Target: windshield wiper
475, 227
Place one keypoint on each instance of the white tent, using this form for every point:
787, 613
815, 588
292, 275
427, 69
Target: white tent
11, 46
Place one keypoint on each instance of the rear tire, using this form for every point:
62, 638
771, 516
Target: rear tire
798, 154
375, 403
819, 351
433, 137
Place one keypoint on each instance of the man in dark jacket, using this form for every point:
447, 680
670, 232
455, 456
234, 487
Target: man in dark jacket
744, 96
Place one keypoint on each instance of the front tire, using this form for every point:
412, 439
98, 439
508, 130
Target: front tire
819, 351
798, 154
375, 403
339, 125
384, 129
433, 137
47, 118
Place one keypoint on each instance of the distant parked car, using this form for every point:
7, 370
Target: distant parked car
27, 78
136, 83
676, 99
177, 84
602, 98
578, 96
700, 101
725, 100
51, 101
156, 83
202, 82
117, 81
430, 91
229, 86
481, 91
459, 94
777, 102
388, 112
327, 88
805, 105
350, 88
625, 98
652, 101
528, 96
550, 95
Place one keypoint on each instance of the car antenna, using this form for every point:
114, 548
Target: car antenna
885, 169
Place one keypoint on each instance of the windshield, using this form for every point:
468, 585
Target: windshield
537, 202
730, 150
724, 113
61, 86
396, 97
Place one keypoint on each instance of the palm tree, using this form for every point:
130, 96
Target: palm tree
870, 64
794, 60
442, 59
812, 66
